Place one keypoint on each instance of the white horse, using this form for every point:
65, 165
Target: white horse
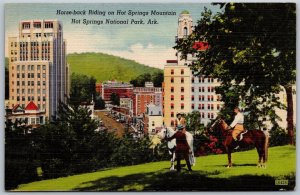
169, 132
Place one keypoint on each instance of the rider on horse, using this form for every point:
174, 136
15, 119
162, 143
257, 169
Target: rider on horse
237, 124
182, 147
180, 121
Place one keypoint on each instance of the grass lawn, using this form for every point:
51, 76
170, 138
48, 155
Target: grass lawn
210, 174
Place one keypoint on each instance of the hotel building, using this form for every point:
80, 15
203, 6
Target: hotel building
38, 71
183, 92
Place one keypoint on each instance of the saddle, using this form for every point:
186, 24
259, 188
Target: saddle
240, 136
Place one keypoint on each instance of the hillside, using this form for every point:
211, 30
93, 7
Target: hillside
107, 67
209, 174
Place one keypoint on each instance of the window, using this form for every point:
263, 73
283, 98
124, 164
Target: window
23, 75
172, 97
193, 98
185, 32
182, 71
37, 25
172, 106
172, 89
38, 67
193, 89
172, 123
18, 75
212, 89
44, 75
48, 25
44, 91
218, 106
182, 106
193, 106
23, 67
218, 98
193, 79
23, 83
172, 114
182, 97
44, 98
18, 67
208, 89
172, 71
44, 83
44, 67
202, 114
200, 97
26, 25
203, 98
182, 80
32, 75
208, 115
39, 83
212, 107
172, 79
28, 75
208, 106
212, 98
38, 75
32, 83
39, 98
182, 89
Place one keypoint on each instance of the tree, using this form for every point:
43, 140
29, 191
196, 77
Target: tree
252, 50
70, 144
99, 102
157, 78
20, 155
83, 88
115, 99
193, 123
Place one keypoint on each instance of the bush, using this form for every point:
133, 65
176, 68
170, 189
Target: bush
278, 137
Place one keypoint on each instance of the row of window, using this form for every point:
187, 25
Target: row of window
181, 71
29, 75
32, 120
29, 98
202, 89
202, 98
29, 91
27, 25
30, 67
209, 106
29, 83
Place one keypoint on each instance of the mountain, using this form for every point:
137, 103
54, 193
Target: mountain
107, 67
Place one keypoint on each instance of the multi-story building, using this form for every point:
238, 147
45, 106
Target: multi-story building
153, 119
143, 96
183, 91
37, 65
123, 90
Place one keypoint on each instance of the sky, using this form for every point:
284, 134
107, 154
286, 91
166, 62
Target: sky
147, 44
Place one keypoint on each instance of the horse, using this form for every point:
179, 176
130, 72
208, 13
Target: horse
169, 132
251, 137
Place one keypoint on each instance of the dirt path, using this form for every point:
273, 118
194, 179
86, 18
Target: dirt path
111, 124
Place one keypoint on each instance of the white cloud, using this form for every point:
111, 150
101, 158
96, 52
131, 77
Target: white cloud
151, 55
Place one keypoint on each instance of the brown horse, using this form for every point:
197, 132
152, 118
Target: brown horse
252, 137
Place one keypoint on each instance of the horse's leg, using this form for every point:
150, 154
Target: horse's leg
172, 161
229, 157
259, 152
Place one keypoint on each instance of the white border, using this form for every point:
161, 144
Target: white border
2, 77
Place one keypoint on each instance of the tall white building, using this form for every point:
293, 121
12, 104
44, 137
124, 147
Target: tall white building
38, 71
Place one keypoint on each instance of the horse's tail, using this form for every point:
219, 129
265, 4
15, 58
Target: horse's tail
266, 145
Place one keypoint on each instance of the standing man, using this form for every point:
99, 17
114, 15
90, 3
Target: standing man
237, 124
182, 148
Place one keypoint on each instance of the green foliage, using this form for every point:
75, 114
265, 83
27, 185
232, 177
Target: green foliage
105, 67
83, 88
278, 136
115, 99
99, 102
209, 173
156, 78
20, 155
246, 54
71, 145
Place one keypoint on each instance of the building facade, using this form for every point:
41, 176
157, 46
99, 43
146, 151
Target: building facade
123, 90
183, 91
143, 96
38, 71
153, 120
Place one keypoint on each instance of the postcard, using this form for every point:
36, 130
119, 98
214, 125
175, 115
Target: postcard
150, 97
